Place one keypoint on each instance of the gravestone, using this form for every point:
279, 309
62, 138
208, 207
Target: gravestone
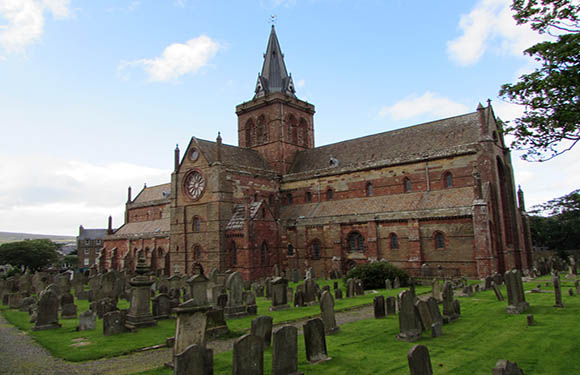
198, 286
258, 289
190, 327
161, 305
503, 367
497, 292
279, 294
327, 313
103, 306
195, 359
409, 322
315, 341
488, 281
248, 356
216, 322
468, 291
299, 298
14, 300
424, 314
530, 319
391, 306
434, 310
350, 288
68, 310
577, 286
397, 283
449, 313
139, 314
419, 361
388, 284
87, 321
26, 303
235, 305
47, 311
379, 307
309, 291
436, 329
338, 293
113, 323
285, 351
557, 290
262, 327
268, 287
358, 288
436, 290
296, 275
516, 300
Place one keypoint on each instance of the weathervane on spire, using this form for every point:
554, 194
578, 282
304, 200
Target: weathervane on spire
273, 19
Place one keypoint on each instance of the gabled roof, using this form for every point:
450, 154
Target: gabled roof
232, 155
151, 227
153, 193
274, 77
239, 216
440, 138
92, 234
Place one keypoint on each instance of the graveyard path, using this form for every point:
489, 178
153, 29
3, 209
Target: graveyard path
20, 354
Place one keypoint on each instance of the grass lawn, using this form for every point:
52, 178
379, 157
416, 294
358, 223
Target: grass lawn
93, 345
470, 346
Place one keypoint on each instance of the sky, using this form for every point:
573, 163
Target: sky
94, 95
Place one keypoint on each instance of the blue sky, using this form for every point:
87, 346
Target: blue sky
94, 95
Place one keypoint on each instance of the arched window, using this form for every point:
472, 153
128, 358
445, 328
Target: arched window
394, 241
315, 247
448, 180
234, 254
369, 189
329, 194
439, 240
289, 198
196, 224
290, 250
408, 186
249, 126
304, 132
264, 128
308, 196
356, 242
263, 252
196, 252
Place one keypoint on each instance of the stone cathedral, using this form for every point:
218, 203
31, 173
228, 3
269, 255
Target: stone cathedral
434, 196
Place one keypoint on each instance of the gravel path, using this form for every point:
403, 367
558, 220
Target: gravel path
21, 355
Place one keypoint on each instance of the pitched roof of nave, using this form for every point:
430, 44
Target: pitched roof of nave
153, 193
137, 229
436, 203
440, 138
232, 155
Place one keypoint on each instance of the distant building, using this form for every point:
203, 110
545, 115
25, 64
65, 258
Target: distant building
89, 244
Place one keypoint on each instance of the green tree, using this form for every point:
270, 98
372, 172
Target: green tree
556, 223
550, 124
31, 254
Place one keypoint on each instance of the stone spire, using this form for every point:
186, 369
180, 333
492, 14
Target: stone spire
274, 76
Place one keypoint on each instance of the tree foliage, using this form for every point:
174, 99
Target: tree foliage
373, 275
550, 124
31, 254
556, 223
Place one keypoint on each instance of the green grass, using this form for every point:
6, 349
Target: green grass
470, 346
59, 341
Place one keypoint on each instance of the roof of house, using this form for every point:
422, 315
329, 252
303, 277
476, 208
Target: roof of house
434, 139
153, 193
232, 155
92, 234
435, 203
239, 216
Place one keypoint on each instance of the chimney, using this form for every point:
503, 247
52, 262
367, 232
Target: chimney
110, 228
176, 161
129, 195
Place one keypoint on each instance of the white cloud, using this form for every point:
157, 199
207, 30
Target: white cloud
59, 195
426, 104
490, 25
300, 83
178, 59
24, 21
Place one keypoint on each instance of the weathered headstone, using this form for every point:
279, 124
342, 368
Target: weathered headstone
161, 306
397, 283
497, 292
248, 356
516, 300
436, 290
195, 359
315, 341
262, 327
268, 287
350, 288
309, 291
87, 321
503, 367
424, 313
338, 293
436, 329
26, 303
358, 287
379, 307
285, 351
47, 312
409, 322
557, 290
296, 275
391, 305
327, 313
299, 298
190, 327
419, 361
488, 281
235, 305
113, 323
434, 310
279, 294
530, 319
449, 313
388, 284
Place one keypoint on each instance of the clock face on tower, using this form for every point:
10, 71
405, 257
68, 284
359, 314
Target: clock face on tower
194, 185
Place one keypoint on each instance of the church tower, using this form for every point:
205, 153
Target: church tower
275, 123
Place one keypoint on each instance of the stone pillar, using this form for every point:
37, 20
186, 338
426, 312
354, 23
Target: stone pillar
139, 314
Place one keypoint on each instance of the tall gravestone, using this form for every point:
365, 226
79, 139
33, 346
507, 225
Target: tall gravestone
279, 287
315, 341
195, 359
161, 306
436, 290
235, 305
262, 327
198, 285
557, 290
434, 310
419, 361
449, 312
424, 313
139, 314
327, 313
350, 288
47, 311
391, 305
379, 307
515, 290
409, 322
285, 351
248, 356
309, 291
190, 327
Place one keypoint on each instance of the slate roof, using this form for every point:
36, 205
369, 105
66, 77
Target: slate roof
153, 193
434, 139
437, 203
232, 155
92, 234
143, 227
274, 77
239, 216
